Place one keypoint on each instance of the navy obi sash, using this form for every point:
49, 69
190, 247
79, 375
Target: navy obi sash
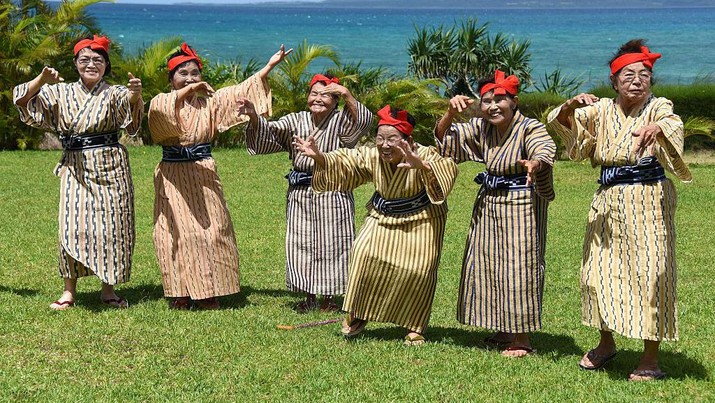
299, 178
647, 170
498, 182
408, 205
195, 152
73, 142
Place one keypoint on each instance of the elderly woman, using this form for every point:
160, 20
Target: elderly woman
628, 271
320, 227
96, 217
193, 234
393, 262
502, 280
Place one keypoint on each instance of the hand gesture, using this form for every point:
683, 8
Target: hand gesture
246, 107
532, 167
459, 103
645, 137
135, 87
279, 56
335, 89
410, 159
580, 100
50, 76
307, 147
202, 89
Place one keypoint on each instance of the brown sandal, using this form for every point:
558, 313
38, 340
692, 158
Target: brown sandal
208, 304
180, 304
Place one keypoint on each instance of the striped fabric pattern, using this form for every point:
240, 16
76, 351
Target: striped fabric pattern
502, 279
628, 269
320, 227
394, 260
194, 237
96, 208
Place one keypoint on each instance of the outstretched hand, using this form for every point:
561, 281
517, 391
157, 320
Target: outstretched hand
202, 89
279, 56
459, 103
581, 100
307, 147
410, 159
532, 167
246, 107
50, 76
645, 137
135, 88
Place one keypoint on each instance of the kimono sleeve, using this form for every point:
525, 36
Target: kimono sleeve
345, 169
580, 139
226, 101
164, 124
540, 146
271, 137
352, 129
439, 181
461, 142
670, 146
128, 115
42, 111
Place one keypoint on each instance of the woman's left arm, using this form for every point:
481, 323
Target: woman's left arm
665, 138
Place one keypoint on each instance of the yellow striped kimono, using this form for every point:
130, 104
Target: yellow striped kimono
628, 271
502, 281
96, 209
320, 227
393, 262
193, 234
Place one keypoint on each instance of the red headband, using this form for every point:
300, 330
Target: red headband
96, 43
398, 121
319, 78
644, 56
501, 85
188, 54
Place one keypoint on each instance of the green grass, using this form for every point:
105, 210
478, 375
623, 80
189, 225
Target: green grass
150, 353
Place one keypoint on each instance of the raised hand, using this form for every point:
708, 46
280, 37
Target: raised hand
410, 159
532, 167
135, 88
459, 103
50, 76
202, 89
581, 100
279, 56
307, 147
645, 137
246, 107
335, 89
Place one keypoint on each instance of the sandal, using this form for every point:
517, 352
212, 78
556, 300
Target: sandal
414, 339
305, 306
353, 328
597, 360
517, 351
497, 341
329, 305
118, 302
61, 305
180, 304
209, 304
643, 375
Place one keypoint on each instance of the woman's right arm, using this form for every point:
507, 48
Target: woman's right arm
458, 140
263, 137
572, 124
47, 76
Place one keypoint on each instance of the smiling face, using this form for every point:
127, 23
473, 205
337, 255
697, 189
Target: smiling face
91, 66
185, 74
386, 139
320, 105
498, 109
633, 83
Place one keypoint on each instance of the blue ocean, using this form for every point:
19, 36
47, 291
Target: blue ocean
577, 41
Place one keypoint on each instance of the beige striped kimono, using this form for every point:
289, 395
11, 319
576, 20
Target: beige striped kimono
193, 233
502, 281
96, 209
628, 271
321, 227
393, 262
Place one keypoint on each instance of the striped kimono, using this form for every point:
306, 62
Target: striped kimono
193, 233
321, 227
502, 280
628, 269
96, 209
393, 262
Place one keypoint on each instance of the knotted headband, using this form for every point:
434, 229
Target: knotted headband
397, 118
501, 85
319, 78
96, 43
188, 54
644, 56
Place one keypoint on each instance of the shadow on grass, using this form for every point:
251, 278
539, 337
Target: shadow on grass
676, 365
135, 294
23, 292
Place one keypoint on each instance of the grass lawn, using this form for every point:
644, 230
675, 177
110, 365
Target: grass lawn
148, 352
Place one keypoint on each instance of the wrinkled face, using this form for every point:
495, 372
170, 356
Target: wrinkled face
187, 73
386, 140
633, 82
498, 109
91, 66
320, 104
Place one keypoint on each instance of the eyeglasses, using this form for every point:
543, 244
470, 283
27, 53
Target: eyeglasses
630, 76
391, 141
97, 61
